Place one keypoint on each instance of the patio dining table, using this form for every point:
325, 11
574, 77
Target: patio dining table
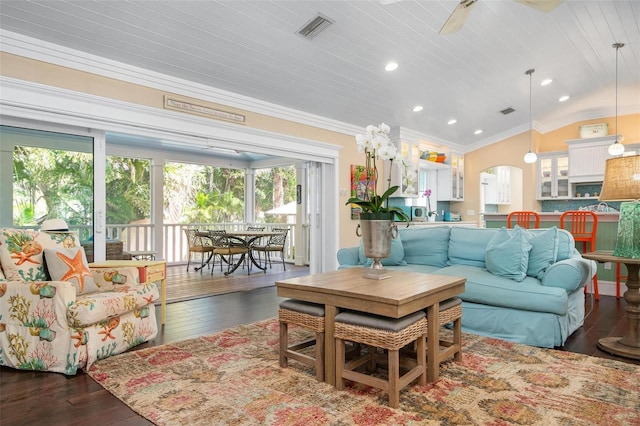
246, 239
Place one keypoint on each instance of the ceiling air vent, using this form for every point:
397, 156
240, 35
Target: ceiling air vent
315, 26
507, 111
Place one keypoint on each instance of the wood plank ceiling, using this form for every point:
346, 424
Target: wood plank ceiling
251, 48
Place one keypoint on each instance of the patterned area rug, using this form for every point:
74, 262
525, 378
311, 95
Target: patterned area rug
233, 378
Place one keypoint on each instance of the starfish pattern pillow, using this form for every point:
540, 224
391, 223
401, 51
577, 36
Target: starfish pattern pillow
70, 264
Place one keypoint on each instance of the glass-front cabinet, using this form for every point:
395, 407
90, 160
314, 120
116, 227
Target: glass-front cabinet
553, 176
451, 180
405, 172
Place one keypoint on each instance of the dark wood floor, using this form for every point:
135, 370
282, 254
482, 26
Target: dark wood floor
36, 398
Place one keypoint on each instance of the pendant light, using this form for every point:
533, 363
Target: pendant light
530, 157
616, 148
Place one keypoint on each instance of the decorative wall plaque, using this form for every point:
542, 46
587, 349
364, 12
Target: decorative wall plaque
205, 111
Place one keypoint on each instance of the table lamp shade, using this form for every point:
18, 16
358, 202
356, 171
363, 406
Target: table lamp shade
622, 183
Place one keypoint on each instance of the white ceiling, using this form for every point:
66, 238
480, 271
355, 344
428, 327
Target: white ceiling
251, 48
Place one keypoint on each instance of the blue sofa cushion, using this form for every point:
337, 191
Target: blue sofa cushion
566, 245
426, 245
396, 255
508, 253
488, 289
544, 250
467, 245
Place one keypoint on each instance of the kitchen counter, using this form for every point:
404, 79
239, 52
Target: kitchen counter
467, 223
553, 216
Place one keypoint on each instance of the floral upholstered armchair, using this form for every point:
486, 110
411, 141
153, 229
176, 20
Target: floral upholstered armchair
57, 314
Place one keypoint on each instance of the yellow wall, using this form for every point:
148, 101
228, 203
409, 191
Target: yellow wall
53, 75
510, 152
507, 152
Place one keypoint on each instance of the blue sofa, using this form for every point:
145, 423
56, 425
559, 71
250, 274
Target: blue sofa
522, 285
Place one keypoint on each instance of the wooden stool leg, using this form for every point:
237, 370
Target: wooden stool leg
339, 363
371, 352
320, 357
421, 353
394, 377
457, 339
284, 344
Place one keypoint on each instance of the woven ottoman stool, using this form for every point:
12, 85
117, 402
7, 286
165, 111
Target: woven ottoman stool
309, 316
381, 332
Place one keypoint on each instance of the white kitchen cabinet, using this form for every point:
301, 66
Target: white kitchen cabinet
489, 182
496, 184
503, 183
405, 172
588, 157
553, 176
451, 179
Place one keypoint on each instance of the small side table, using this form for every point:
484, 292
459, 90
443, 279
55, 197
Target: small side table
150, 271
143, 255
628, 345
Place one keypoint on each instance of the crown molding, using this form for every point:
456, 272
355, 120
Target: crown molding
39, 102
40, 50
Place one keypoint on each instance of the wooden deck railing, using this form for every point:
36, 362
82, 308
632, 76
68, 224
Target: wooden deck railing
139, 237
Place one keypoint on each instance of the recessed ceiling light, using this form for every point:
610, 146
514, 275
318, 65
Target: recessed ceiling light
417, 108
546, 82
477, 132
563, 98
391, 66
452, 121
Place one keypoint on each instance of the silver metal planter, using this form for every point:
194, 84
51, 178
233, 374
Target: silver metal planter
376, 240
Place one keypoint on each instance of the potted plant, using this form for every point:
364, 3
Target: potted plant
376, 146
431, 214
377, 217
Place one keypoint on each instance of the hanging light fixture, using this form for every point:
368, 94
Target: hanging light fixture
530, 157
616, 148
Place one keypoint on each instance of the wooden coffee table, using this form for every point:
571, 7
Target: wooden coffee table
401, 294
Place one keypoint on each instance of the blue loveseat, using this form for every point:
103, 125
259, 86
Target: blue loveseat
522, 285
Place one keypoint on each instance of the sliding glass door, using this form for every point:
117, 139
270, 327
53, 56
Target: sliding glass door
46, 175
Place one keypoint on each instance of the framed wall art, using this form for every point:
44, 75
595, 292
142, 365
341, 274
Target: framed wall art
359, 187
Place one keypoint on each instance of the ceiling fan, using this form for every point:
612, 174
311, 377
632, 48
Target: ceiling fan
461, 12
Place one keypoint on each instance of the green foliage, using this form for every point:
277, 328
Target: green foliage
274, 187
128, 189
51, 182
59, 183
378, 204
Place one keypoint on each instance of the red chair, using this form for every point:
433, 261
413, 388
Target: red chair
524, 219
583, 226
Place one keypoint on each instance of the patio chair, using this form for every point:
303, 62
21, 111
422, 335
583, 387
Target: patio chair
215, 236
227, 247
275, 243
197, 244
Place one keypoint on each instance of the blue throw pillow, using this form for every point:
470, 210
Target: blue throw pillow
508, 254
426, 245
544, 250
396, 255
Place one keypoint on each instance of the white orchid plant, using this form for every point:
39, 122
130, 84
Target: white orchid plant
376, 145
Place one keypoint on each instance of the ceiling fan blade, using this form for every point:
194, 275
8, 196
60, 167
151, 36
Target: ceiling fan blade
458, 17
542, 5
